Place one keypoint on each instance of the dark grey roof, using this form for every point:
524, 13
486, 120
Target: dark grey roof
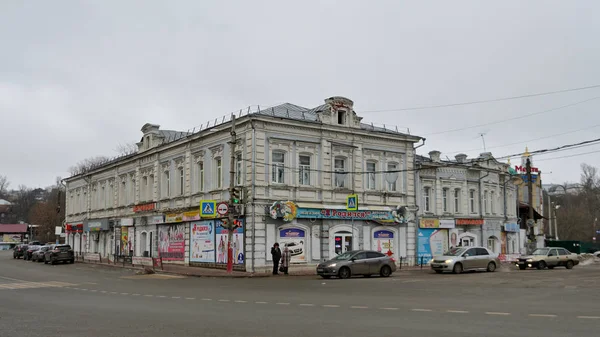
171, 135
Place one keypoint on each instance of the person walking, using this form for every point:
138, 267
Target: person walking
286, 257
276, 255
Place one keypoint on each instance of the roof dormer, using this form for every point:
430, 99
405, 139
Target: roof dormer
341, 112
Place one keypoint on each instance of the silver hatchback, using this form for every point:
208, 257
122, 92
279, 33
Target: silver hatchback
461, 259
357, 262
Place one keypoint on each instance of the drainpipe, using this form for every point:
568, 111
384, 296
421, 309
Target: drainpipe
253, 192
418, 188
481, 203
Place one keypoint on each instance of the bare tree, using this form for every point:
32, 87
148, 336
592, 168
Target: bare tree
3, 186
126, 149
88, 164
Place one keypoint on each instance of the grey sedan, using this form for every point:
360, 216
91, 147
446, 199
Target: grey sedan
357, 262
462, 259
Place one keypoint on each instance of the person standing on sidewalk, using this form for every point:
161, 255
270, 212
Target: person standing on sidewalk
276, 255
285, 259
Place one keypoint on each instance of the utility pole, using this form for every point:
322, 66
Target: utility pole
531, 220
231, 216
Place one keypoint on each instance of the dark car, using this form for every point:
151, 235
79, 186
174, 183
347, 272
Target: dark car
357, 262
19, 251
38, 255
29, 252
59, 253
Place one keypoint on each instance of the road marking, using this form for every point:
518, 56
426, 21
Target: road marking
207, 299
223, 300
306, 305
331, 306
83, 289
497, 313
94, 290
103, 291
541, 315
190, 298
148, 295
135, 294
241, 301
261, 302
421, 310
588, 317
175, 297
457, 311
124, 293
161, 296
282, 303
358, 307
113, 292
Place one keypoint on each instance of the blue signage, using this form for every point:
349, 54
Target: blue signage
511, 227
291, 233
383, 235
338, 214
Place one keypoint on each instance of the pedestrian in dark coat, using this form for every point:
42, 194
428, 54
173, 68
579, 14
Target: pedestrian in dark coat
276, 255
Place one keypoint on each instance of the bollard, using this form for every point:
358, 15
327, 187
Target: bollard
400, 262
422, 262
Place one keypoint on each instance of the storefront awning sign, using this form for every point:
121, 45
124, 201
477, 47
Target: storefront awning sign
511, 227
469, 222
436, 223
95, 225
288, 211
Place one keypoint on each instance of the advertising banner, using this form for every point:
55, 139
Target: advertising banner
288, 211
202, 241
237, 243
124, 241
131, 238
295, 240
118, 240
11, 238
171, 242
383, 242
431, 242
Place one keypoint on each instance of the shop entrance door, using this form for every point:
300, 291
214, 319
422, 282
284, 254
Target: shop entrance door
466, 241
343, 242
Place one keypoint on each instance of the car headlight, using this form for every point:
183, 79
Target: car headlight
431, 261
529, 260
333, 265
448, 261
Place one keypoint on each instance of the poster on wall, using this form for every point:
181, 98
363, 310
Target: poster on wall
453, 237
171, 242
131, 239
383, 242
503, 243
124, 241
295, 240
11, 238
237, 243
117, 240
432, 242
202, 241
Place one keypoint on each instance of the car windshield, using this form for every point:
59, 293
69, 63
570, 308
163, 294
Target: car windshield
541, 251
63, 248
455, 252
344, 256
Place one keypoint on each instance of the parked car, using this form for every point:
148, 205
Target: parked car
58, 253
38, 255
461, 259
548, 257
357, 262
29, 252
19, 251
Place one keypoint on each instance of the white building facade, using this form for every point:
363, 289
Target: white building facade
296, 168
467, 202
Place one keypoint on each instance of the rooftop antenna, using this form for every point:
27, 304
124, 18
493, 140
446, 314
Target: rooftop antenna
482, 134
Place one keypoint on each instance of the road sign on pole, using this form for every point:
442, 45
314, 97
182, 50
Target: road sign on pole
352, 202
208, 208
222, 208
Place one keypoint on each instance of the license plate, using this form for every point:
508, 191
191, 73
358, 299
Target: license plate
319, 269
435, 265
521, 262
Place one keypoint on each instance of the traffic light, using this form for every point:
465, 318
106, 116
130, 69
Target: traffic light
235, 196
246, 195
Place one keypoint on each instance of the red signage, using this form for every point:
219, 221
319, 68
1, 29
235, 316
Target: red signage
74, 228
469, 222
144, 207
523, 169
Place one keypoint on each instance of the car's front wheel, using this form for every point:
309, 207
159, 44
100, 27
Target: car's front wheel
541, 265
570, 264
458, 268
344, 272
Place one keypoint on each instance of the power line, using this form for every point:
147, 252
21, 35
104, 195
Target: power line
530, 140
513, 118
573, 155
486, 101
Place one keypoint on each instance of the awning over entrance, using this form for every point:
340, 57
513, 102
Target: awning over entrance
524, 209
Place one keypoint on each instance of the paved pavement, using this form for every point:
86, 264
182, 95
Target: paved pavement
84, 300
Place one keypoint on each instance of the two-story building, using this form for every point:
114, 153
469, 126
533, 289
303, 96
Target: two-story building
296, 166
466, 202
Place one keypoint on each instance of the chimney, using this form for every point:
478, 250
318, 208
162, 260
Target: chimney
435, 156
485, 155
461, 157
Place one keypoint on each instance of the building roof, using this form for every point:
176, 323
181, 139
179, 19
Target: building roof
13, 228
4, 203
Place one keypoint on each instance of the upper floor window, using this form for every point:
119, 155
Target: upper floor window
341, 115
391, 177
371, 180
304, 173
427, 199
150, 189
239, 173
493, 202
445, 199
278, 167
166, 184
340, 172
123, 193
485, 202
131, 189
200, 177
219, 171
456, 201
472, 201
144, 189
104, 195
181, 181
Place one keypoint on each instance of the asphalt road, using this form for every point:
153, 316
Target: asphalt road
83, 300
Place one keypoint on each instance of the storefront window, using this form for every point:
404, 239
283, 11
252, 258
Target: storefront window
295, 240
383, 242
343, 242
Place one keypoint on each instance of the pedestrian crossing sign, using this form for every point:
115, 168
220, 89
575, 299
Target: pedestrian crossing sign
208, 208
352, 202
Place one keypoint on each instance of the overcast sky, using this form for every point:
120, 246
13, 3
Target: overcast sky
77, 78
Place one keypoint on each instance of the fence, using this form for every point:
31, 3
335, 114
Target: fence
414, 261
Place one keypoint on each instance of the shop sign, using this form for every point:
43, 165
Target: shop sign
469, 222
523, 169
288, 211
154, 220
76, 227
191, 216
295, 240
174, 217
511, 227
126, 222
144, 207
383, 242
429, 223
95, 225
